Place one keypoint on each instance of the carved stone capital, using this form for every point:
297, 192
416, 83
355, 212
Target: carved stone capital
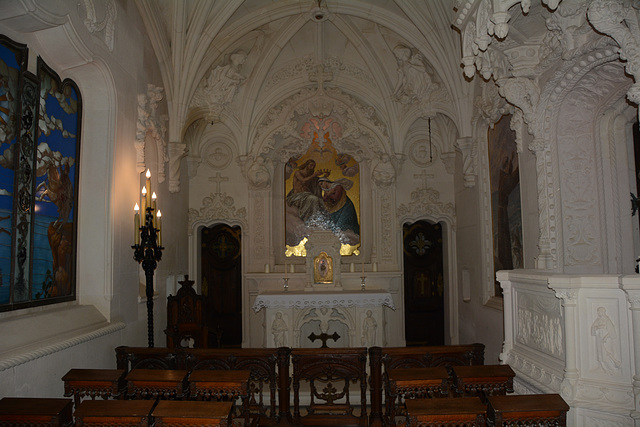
176, 151
469, 149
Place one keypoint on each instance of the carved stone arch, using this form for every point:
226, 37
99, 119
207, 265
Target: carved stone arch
569, 178
301, 317
278, 134
616, 134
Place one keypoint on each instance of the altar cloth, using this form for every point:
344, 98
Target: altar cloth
301, 300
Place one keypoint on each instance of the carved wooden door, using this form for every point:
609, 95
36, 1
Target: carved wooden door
221, 269
423, 284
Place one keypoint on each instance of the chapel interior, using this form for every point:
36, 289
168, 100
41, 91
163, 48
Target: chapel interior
339, 173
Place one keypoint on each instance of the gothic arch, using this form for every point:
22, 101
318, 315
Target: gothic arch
425, 205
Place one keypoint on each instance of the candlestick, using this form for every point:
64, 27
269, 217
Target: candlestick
147, 249
153, 206
148, 187
136, 224
285, 286
159, 221
143, 201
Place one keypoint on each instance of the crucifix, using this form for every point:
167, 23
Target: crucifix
218, 179
324, 337
424, 176
321, 77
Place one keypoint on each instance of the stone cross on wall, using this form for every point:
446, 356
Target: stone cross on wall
423, 176
218, 179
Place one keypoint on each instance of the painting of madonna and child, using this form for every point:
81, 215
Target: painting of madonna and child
322, 190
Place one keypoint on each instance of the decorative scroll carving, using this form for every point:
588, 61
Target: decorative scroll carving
426, 202
308, 64
479, 26
217, 206
151, 125
619, 20
220, 87
107, 24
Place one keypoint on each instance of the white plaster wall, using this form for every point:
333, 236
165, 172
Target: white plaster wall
110, 185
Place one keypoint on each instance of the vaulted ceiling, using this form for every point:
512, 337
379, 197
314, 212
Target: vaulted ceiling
284, 47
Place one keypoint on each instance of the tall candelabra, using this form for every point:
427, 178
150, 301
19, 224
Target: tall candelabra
148, 245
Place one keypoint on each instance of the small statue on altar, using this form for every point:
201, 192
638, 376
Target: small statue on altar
279, 330
369, 327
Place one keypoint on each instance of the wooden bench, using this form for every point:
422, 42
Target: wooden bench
383, 359
192, 413
527, 409
114, 412
33, 411
261, 362
483, 381
448, 411
104, 383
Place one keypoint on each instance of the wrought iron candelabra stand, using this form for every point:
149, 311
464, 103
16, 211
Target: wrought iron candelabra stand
148, 252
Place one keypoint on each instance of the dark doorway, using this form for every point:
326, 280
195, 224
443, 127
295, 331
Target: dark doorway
423, 284
221, 268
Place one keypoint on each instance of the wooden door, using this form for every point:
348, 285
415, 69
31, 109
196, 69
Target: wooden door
423, 284
221, 269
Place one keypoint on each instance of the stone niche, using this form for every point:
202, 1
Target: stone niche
323, 262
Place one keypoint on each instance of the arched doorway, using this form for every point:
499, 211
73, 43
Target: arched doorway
221, 267
423, 283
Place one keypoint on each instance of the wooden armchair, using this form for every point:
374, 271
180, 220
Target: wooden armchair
329, 373
185, 318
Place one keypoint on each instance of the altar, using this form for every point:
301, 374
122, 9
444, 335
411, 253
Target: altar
329, 319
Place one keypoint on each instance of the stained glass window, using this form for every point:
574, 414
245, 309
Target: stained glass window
40, 118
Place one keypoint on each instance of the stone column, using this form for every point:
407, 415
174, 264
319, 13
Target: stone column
631, 286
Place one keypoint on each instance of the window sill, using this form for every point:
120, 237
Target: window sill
29, 336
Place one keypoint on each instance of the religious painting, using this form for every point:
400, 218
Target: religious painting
39, 134
323, 268
505, 199
322, 189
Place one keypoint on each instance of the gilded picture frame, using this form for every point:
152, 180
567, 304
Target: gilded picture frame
323, 268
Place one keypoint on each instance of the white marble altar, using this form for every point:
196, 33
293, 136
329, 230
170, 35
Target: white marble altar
350, 319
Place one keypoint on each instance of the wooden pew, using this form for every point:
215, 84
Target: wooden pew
270, 368
262, 363
382, 359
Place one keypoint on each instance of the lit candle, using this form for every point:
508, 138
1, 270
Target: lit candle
148, 187
153, 205
144, 202
159, 219
136, 224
